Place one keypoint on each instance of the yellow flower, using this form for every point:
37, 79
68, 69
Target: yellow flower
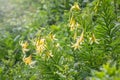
72, 24
52, 36
49, 54
76, 46
40, 42
57, 45
93, 39
75, 7
79, 41
40, 49
40, 45
28, 60
24, 46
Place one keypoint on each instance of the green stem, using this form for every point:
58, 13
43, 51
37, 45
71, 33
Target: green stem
115, 6
67, 4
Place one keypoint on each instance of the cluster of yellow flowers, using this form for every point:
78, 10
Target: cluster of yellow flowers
40, 45
27, 60
79, 41
73, 22
73, 26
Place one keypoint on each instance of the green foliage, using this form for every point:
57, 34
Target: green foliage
107, 72
60, 40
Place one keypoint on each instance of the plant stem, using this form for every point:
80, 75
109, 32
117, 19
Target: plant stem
115, 7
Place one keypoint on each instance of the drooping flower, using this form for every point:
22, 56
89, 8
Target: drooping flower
75, 7
24, 46
79, 41
93, 39
72, 24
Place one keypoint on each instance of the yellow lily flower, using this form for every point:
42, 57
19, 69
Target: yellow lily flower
24, 46
52, 36
57, 45
76, 46
75, 7
40, 45
28, 60
40, 42
72, 24
79, 41
93, 40
49, 54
